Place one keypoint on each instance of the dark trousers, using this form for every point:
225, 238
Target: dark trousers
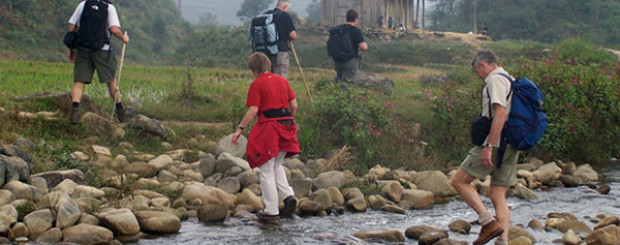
347, 70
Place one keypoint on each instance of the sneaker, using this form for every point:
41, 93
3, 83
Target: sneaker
270, 219
75, 115
124, 114
488, 232
290, 204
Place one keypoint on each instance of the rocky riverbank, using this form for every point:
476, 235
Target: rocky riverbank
152, 194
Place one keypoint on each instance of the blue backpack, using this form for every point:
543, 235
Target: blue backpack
527, 120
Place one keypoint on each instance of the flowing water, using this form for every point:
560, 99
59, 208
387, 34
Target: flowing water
580, 201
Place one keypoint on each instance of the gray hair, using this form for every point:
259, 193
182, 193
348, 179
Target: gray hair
283, 3
486, 56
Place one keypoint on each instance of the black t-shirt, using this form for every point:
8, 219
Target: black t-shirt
356, 38
284, 26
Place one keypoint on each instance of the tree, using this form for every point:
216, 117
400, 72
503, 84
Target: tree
252, 8
207, 20
314, 11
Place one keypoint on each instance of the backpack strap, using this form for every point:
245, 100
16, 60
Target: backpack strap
503, 142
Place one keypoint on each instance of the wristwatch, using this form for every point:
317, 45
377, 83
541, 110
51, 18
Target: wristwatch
487, 144
240, 127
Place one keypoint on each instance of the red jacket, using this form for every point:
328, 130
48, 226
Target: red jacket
268, 138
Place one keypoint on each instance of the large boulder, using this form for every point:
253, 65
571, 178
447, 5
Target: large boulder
6, 197
586, 173
435, 182
225, 145
608, 235
225, 161
23, 191
158, 222
120, 221
53, 178
8, 216
322, 196
16, 151
416, 199
328, 179
393, 190
248, 178
384, 234
16, 169
100, 125
229, 184
68, 212
547, 173
301, 187
53, 235
147, 124
39, 221
87, 234
248, 198
207, 165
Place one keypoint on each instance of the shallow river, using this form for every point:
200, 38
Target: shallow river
580, 201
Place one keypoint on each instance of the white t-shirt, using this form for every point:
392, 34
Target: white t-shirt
497, 89
112, 19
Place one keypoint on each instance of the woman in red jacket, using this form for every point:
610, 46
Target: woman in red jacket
273, 137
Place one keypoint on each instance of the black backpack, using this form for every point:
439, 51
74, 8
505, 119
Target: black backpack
263, 33
93, 33
339, 45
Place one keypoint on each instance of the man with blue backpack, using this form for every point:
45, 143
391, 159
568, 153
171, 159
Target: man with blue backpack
271, 33
508, 124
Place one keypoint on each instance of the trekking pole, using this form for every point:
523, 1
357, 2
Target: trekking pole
118, 79
303, 77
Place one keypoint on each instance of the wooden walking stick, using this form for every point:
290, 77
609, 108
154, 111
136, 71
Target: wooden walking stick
117, 90
303, 77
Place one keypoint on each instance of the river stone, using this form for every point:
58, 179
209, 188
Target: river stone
147, 183
329, 179
8, 216
547, 173
607, 235
608, 220
87, 191
322, 196
377, 201
15, 169
523, 192
67, 210
213, 213
23, 191
149, 125
247, 197
517, 231
535, 224
393, 191
129, 238
430, 238
571, 238
297, 174
148, 194
18, 230
53, 235
6, 197
535, 162
87, 234
570, 181
120, 221
448, 241
88, 219
569, 168
336, 196
383, 234
135, 203
379, 172
161, 162
460, 226
160, 202
248, 178
101, 150
165, 176
435, 182
80, 156
301, 187
119, 162
227, 160
604, 189
142, 169
308, 206
99, 125
225, 146
522, 240
207, 165
66, 186
38, 222
16, 151
25, 144
416, 199
586, 173
357, 204
158, 222
564, 225
229, 184
293, 163
392, 209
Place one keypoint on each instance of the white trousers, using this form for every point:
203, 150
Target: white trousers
273, 182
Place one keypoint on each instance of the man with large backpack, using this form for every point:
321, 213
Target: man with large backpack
343, 46
94, 21
484, 159
271, 32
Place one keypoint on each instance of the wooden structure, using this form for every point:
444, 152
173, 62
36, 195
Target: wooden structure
333, 12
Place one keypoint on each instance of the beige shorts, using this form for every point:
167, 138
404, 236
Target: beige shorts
506, 175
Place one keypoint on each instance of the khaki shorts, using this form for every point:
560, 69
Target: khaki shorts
279, 64
86, 61
506, 175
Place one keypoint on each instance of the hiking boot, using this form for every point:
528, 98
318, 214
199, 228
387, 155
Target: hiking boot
124, 114
488, 232
75, 115
269, 219
290, 204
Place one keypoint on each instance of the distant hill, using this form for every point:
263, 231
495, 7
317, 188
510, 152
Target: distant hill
226, 10
33, 30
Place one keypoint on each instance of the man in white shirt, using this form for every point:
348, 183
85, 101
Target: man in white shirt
94, 21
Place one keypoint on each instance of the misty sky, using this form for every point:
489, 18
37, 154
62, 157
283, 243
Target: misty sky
226, 10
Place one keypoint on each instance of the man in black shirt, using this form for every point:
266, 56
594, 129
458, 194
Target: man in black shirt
348, 69
286, 32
